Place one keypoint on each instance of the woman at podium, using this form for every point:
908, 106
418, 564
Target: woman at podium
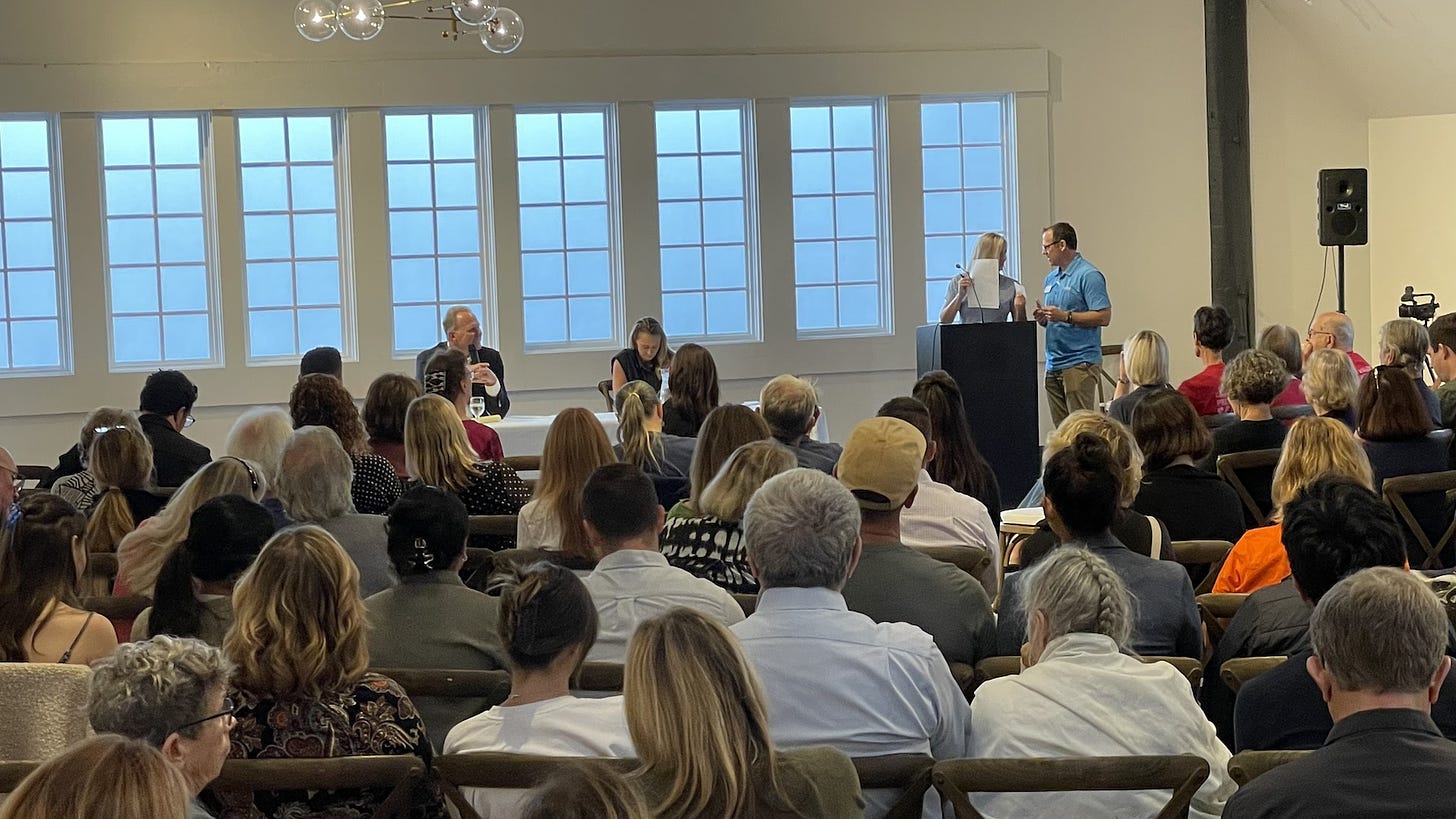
977, 305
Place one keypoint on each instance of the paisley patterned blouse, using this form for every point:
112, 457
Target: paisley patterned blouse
375, 717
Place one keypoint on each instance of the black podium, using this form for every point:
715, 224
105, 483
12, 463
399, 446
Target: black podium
995, 366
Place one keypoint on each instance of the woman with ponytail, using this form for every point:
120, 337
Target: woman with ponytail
1084, 488
194, 591
547, 625
1081, 690
643, 443
120, 458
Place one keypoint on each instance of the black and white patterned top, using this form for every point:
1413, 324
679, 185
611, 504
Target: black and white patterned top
498, 490
375, 486
710, 548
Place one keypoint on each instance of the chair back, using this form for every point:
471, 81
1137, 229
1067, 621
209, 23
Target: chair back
1247, 765
1289, 412
1183, 774
399, 772
1187, 666
600, 677
501, 770
117, 608
523, 463
452, 683
993, 667
1428, 491
506, 561
48, 710
1238, 670
907, 773
970, 559
13, 773
747, 602
1251, 474
1216, 610
498, 525
1209, 553
605, 388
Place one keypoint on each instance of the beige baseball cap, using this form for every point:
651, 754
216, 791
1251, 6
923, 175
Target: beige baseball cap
881, 461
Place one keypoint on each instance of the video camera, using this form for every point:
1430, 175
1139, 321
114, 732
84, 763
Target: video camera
1420, 311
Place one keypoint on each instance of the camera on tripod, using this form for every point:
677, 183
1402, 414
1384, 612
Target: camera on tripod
1422, 311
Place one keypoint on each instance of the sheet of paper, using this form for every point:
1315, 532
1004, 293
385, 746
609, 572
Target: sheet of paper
986, 285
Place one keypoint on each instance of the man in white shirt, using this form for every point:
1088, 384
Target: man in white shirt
633, 581
832, 676
942, 516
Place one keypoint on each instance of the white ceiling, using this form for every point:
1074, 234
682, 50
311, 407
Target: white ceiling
1396, 56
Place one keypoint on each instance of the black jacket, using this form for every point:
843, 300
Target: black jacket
499, 404
1273, 621
175, 455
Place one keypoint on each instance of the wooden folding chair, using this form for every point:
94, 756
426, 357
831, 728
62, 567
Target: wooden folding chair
117, 608
402, 773
12, 773
1400, 491
970, 559
504, 771
1248, 765
1239, 670
1210, 553
498, 525
600, 677
1183, 774
747, 602
1290, 412
1187, 666
907, 773
453, 683
1243, 469
1216, 610
965, 677
523, 463
993, 667
605, 388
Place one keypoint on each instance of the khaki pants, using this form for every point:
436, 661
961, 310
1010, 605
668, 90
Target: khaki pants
1072, 389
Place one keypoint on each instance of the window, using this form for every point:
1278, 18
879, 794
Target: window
704, 208
566, 163
434, 221
31, 277
161, 280
840, 260
291, 233
966, 162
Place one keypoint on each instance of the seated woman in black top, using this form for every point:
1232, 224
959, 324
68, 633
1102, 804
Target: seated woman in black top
644, 358
694, 391
1330, 384
1194, 503
1396, 431
1251, 381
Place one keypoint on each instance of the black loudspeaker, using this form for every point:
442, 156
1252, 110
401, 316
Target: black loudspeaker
1342, 200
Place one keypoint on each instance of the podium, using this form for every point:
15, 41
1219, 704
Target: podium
995, 366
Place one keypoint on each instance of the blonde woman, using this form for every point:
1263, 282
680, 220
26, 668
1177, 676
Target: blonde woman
576, 444
697, 716
645, 356
643, 443
106, 775
437, 453
711, 545
80, 488
302, 687
1315, 447
1142, 370
1330, 385
960, 301
725, 429
121, 459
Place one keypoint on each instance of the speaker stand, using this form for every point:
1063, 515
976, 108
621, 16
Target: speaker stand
1340, 276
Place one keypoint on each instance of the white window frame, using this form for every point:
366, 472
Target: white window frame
62, 270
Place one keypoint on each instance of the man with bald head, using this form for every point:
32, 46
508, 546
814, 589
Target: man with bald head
1336, 331
9, 480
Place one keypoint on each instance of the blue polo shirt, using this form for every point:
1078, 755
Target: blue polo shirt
1078, 289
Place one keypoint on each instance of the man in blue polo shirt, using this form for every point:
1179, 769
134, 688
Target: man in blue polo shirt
1076, 309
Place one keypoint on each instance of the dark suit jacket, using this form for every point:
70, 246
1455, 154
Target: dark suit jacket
174, 455
499, 404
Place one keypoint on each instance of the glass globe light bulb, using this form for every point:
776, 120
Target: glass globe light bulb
473, 12
361, 19
316, 20
503, 33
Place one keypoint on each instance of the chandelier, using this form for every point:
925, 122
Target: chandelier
500, 29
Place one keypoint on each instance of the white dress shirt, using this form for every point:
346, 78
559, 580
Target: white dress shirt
835, 677
1085, 698
632, 585
941, 516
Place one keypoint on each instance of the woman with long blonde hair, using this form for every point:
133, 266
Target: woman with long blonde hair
576, 444
1314, 448
639, 429
710, 545
437, 453
724, 430
106, 775
698, 719
302, 686
120, 458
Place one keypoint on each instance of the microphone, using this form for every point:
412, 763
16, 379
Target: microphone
981, 310
474, 353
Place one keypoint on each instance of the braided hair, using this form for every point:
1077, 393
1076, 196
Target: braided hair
1078, 592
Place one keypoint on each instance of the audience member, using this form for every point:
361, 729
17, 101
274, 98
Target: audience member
105, 775
1334, 331
644, 358
448, 376
576, 445
1396, 429
547, 625
1443, 362
711, 545
698, 719
1212, 332
790, 405
639, 429
1404, 343
1316, 447
893, 583
172, 694
1082, 494
322, 360
725, 429
487, 369
166, 409
1082, 692
80, 489
41, 561
194, 590
120, 456
1142, 371
322, 401
428, 528
385, 404
942, 516
694, 391
315, 489
632, 581
958, 463
1384, 756
1252, 380
589, 789
1283, 342
9, 482
833, 676
258, 436
1330, 386
437, 454
961, 302
302, 687
1196, 504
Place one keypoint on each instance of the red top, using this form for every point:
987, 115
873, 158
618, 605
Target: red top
1292, 395
1362, 367
484, 441
1202, 391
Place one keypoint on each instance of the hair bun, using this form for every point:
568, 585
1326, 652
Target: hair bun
1091, 451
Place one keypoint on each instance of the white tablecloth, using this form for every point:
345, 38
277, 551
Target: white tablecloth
526, 434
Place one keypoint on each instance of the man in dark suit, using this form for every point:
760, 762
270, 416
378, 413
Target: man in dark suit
487, 370
166, 410
1379, 660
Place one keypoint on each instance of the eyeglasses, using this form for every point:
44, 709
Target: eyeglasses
252, 476
1048, 245
189, 422
229, 709
1313, 333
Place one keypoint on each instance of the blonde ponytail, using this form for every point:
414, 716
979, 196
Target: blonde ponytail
635, 402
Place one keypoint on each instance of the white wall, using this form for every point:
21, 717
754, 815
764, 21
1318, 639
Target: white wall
1411, 210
